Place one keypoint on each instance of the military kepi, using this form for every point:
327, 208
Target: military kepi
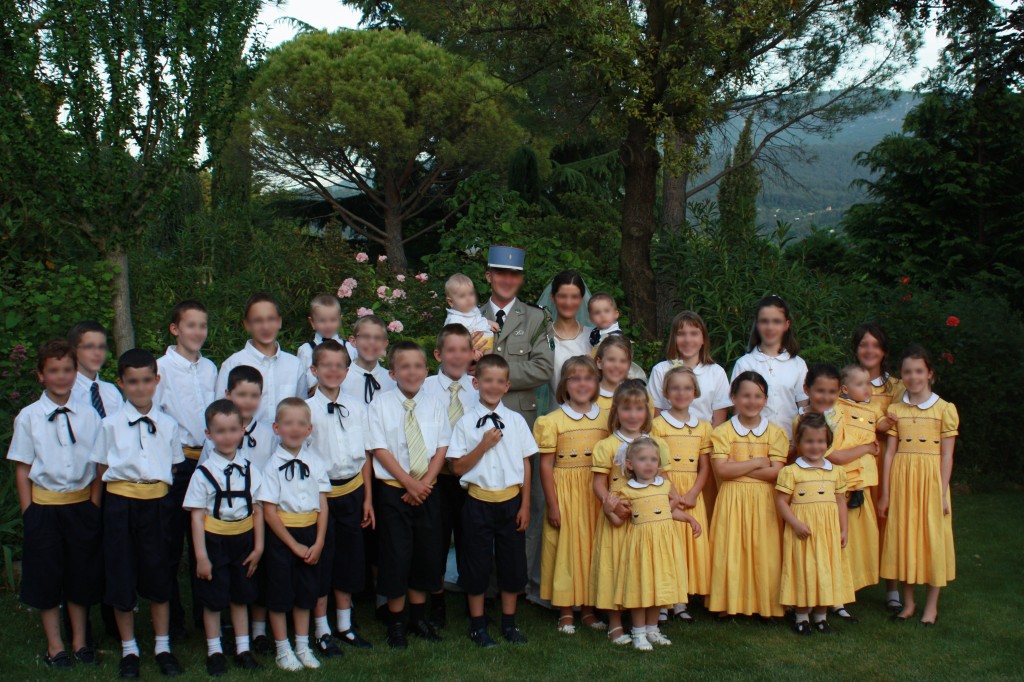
507, 257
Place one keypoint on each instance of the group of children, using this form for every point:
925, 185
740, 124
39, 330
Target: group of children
653, 495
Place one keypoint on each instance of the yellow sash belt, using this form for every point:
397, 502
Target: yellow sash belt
50, 497
297, 520
192, 453
138, 491
484, 495
222, 527
351, 486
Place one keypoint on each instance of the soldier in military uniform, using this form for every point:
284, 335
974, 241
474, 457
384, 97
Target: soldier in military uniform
524, 340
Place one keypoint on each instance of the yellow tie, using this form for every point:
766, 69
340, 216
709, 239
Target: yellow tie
418, 461
455, 410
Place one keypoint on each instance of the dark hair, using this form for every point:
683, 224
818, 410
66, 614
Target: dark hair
244, 374
614, 341
749, 375
179, 310
490, 361
694, 320
55, 349
453, 329
808, 421
821, 370
917, 352
136, 358
630, 389
82, 328
602, 296
221, 406
402, 347
875, 330
261, 297
789, 342
330, 346
566, 277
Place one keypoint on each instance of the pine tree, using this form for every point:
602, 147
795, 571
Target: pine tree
738, 190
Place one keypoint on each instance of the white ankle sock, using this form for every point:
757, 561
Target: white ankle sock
679, 608
129, 647
213, 646
820, 617
241, 643
161, 644
893, 595
803, 617
321, 626
259, 628
283, 647
301, 643
344, 620
639, 632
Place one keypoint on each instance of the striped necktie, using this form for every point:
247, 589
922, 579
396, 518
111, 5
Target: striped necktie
97, 402
455, 410
418, 461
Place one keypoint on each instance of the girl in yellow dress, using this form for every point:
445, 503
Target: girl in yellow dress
652, 570
811, 498
689, 445
628, 420
746, 543
871, 348
614, 357
918, 544
566, 440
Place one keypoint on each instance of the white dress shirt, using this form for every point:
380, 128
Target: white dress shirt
501, 466
109, 394
387, 430
714, 388
338, 439
56, 463
186, 388
283, 377
202, 495
289, 489
355, 382
132, 453
305, 355
257, 445
472, 320
438, 386
565, 349
785, 376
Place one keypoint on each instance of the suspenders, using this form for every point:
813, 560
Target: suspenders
229, 494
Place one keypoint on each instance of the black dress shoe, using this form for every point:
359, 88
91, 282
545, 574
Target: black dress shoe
352, 638
482, 639
246, 661
823, 627
216, 664
327, 647
60, 660
846, 616
86, 656
513, 635
803, 628
396, 636
424, 629
129, 667
168, 664
262, 645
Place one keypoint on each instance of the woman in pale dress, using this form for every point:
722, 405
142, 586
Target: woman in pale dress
570, 332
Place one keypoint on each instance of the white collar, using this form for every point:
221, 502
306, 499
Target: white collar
805, 409
595, 410
318, 339
764, 357
219, 462
625, 439
259, 354
445, 381
321, 398
175, 356
507, 308
880, 380
286, 456
633, 483
672, 421
475, 312
803, 464
133, 413
480, 409
744, 431
925, 405
86, 381
49, 406
605, 393
848, 399
613, 327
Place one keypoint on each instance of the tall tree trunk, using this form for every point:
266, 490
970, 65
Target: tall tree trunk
124, 330
393, 227
673, 220
641, 163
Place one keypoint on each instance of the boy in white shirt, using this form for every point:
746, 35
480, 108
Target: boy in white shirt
604, 315
89, 339
51, 447
325, 319
490, 450
136, 452
283, 374
339, 442
409, 434
258, 441
366, 377
227, 533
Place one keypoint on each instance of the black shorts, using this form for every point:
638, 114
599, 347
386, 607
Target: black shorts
453, 496
230, 584
489, 536
135, 550
291, 582
408, 541
62, 559
344, 556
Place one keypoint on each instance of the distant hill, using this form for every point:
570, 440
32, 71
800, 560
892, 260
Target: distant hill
821, 189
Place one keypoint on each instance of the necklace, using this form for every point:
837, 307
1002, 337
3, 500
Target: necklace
579, 329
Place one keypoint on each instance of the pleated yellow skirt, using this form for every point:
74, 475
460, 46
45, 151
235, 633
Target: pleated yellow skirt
652, 568
746, 550
608, 543
918, 541
861, 551
697, 550
566, 552
813, 571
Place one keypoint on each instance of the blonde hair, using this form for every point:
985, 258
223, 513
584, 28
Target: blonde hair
457, 281
324, 301
583, 363
615, 341
680, 370
629, 390
292, 403
368, 320
691, 318
639, 443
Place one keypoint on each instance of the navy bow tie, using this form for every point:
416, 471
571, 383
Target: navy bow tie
370, 387
595, 336
340, 410
289, 469
227, 478
247, 436
64, 411
493, 416
150, 424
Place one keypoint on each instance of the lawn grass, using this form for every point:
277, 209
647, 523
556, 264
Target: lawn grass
978, 635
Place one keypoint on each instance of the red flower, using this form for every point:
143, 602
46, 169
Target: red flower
906, 297
904, 280
948, 357
952, 321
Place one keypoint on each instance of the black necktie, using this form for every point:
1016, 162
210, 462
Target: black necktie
499, 317
64, 411
340, 410
289, 469
247, 435
227, 478
149, 423
493, 416
370, 387
97, 401
595, 336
